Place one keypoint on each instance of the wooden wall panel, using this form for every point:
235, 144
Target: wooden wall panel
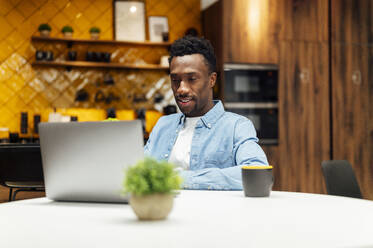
352, 21
273, 158
304, 20
212, 30
304, 115
352, 70
250, 31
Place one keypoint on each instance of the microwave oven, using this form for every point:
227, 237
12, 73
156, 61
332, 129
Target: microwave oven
265, 121
250, 83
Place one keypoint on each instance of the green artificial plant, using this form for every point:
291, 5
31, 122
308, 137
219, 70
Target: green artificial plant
95, 30
44, 26
67, 29
150, 176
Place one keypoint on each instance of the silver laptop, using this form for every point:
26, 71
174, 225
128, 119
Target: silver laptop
85, 161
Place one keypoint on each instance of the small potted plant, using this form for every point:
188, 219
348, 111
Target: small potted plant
151, 185
95, 33
44, 30
67, 31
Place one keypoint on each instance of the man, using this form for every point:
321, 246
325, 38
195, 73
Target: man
209, 144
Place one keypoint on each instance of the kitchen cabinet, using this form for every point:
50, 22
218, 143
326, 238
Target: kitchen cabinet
304, 128
352, 97
352, 21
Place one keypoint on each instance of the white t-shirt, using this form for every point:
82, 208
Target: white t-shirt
180, 154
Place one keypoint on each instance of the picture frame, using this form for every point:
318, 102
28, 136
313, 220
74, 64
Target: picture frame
129, 20
158, 28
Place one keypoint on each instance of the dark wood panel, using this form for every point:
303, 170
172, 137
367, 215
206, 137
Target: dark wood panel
352, 70
352, 21
212, 30
272, 153
304, 20
304, 115
250, 31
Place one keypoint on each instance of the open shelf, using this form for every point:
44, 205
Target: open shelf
86, 64
102, 42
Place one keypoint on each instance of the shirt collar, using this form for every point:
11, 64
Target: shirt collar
210, 118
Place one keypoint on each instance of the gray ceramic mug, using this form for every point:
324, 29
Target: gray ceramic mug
257, 181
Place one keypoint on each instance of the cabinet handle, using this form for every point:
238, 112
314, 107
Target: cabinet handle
356, 77
304, 76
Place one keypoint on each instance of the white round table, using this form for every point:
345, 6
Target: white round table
199, 219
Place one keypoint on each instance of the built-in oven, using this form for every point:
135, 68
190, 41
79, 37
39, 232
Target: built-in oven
250, 83
251, 90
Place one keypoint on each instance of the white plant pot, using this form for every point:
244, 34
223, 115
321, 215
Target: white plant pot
68, 34
95, 36
45, 33
152, 207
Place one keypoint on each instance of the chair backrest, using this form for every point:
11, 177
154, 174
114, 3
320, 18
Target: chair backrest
20, 163
340, 178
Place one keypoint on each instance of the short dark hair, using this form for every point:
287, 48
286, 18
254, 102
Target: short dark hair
194, 45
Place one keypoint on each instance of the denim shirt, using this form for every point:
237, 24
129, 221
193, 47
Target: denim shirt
222, 143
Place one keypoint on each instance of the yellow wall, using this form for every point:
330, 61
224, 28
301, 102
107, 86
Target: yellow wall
32, 89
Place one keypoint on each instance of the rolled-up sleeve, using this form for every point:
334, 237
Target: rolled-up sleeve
246, 148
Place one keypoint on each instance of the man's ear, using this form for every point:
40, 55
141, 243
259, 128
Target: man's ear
212, 79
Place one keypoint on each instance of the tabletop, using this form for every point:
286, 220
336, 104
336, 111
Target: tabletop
199, 219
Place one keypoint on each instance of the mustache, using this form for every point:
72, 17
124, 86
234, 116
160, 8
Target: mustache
182, 96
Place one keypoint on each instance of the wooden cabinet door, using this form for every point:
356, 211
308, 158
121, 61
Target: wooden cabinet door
212, 30
303, 115
304, 20
250, 31
352, 95
352, 21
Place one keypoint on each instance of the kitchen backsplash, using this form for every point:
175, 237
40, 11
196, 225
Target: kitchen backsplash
24, 88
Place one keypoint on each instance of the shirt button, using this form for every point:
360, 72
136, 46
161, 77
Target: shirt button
166, 155
209, 125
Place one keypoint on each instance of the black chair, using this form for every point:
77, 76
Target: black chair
340, 178
21, 168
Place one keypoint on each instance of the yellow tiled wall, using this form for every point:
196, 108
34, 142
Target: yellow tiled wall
33, 89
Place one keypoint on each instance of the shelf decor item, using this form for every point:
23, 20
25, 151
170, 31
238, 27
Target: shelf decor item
67, 31
72, 55
158, 28
151, 185
95, 33
129, 20
44, 29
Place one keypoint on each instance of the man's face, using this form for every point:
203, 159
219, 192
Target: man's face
192, 84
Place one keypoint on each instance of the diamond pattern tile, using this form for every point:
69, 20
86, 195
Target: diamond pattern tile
15, 40
27, 94
5, 50
5, 28
5, 7
16, 104
14, 18
27, 8
39, 90
49, 10
6, 116
71, 12
15, 83
5, 93
60, 4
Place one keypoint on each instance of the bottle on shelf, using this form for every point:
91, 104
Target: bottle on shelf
35, 135
24, 135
